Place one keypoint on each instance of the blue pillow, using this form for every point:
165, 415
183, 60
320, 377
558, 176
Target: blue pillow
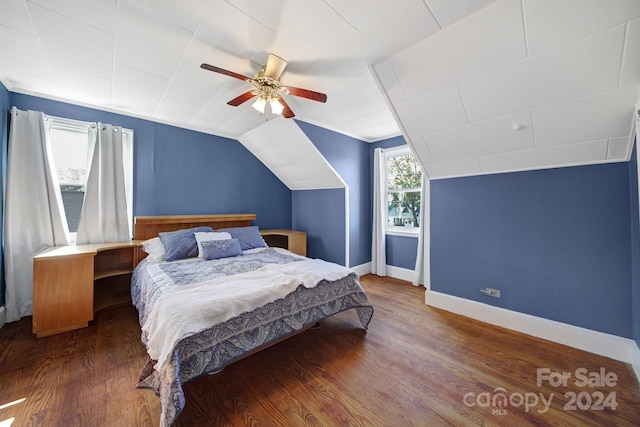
181, 244
215, 249
249, 237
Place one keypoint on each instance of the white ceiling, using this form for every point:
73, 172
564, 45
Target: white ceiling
566, 71
457, 74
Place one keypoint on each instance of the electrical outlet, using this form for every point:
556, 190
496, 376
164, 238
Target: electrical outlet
491, 292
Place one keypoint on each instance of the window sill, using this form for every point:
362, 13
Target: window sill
413, 232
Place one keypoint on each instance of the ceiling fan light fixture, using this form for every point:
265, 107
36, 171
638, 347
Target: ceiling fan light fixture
276, 107
267, 87
260, 104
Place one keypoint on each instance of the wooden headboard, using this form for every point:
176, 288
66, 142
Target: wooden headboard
147, 227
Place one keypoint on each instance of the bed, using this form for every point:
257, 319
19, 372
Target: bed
200, 313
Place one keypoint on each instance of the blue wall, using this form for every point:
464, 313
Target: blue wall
635, 245
349, 157
179, 171
401, 250
4, 135
320, 213
556, 242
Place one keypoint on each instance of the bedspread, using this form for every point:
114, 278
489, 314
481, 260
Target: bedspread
160, 277
212, 348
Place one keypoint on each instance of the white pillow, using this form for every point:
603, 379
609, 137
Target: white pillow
155, 249
211, 235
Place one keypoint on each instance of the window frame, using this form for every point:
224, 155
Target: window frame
396, 230
70, 125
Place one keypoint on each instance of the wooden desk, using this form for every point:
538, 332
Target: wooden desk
295, 241
71, 283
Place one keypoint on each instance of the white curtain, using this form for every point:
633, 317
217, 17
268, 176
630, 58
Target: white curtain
104, 211
378, 241
422, 268
33, 215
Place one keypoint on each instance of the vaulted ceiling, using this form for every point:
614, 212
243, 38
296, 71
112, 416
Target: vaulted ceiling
454, 76
520, 85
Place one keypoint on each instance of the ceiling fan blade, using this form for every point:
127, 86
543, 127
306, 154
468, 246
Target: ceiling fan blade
242, 98
305, 93
275, 66
225, 72
286, 110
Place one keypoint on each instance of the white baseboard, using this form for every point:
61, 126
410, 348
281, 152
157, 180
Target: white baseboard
400, 273
618, 348
392, 271
362, 269
3, 316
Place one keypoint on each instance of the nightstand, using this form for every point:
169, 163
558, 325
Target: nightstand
295, 241
71, 283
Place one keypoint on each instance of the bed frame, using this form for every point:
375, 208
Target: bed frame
147, 227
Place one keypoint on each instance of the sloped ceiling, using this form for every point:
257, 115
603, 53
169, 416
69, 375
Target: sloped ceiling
520, 85
287, 151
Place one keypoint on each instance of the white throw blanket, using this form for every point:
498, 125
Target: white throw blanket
186, 310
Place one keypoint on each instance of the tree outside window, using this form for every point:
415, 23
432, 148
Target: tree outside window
404, 185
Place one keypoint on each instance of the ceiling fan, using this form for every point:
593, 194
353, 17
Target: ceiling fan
268, 88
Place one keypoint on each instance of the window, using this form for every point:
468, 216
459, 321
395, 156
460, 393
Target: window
404, 187
70, 148
70, 156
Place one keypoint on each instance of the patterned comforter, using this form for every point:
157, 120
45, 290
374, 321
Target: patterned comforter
211, 349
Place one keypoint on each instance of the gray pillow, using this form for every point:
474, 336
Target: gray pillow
181, 244
249, 237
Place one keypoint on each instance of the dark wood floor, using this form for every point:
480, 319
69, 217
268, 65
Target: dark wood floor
414, 366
